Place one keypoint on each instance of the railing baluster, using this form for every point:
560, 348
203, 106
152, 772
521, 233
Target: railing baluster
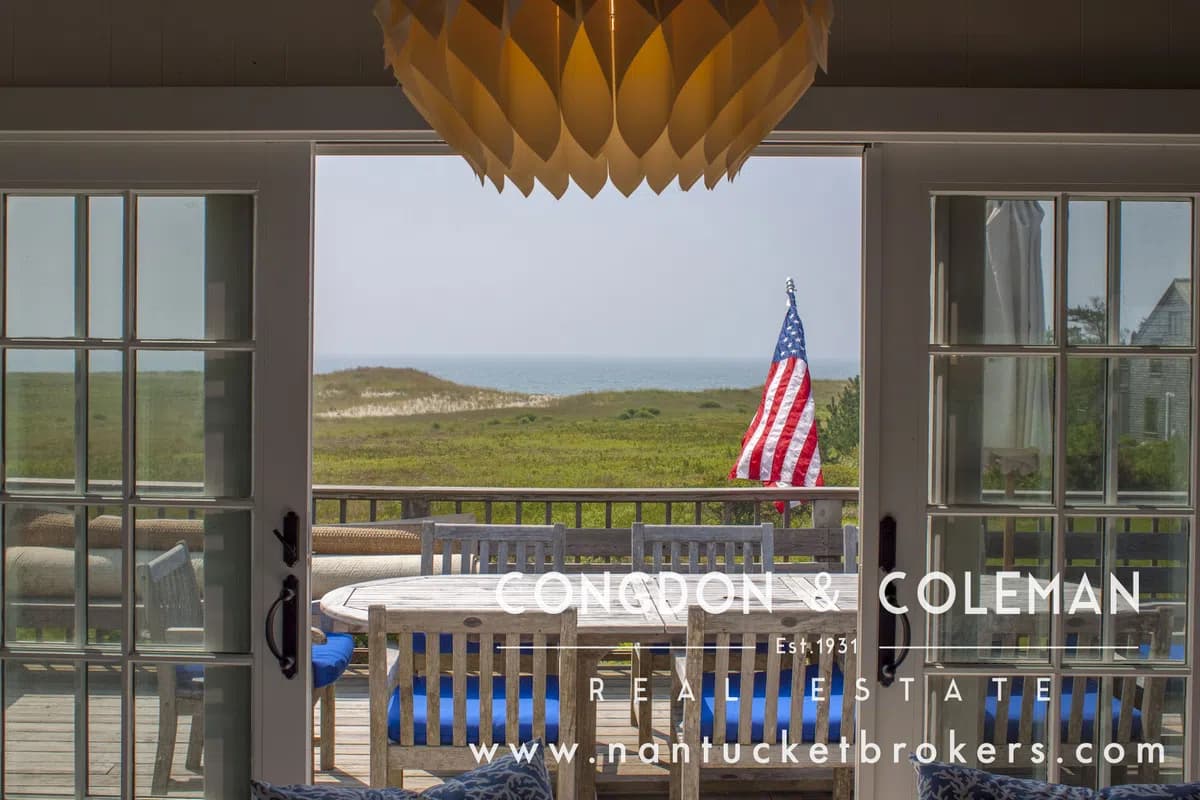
487, 512
342, 510
758, 512
518, 512
699, 512
458, 506
667, 515
608, 514
637, 511
548, 513
374, 511
578, 514
787, 515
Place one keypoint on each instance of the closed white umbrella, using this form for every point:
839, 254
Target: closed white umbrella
1017, 418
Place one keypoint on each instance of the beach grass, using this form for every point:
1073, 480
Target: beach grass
644, 438
401, 427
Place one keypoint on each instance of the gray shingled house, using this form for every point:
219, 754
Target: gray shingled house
1155, 391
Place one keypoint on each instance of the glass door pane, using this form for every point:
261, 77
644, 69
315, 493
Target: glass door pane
128, 520
1061, 482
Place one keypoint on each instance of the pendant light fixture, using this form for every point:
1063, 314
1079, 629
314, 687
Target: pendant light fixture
593, 91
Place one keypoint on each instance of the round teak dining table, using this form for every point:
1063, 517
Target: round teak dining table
654, 612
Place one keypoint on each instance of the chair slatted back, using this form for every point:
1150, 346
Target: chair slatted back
695, 549
501, 638
826, 639
490, 549
170, 592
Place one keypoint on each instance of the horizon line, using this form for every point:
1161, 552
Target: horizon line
635, 357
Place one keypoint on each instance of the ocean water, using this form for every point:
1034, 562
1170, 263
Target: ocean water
563, 375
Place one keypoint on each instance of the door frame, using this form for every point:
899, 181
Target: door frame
900, 180
279, 175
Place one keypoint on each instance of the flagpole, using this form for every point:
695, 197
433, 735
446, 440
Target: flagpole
791, 291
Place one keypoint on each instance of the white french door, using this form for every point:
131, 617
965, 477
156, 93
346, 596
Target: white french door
155, 359
1030, 408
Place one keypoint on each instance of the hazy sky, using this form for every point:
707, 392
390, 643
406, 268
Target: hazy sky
414, 257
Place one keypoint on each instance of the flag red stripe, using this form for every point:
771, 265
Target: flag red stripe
789, 429
802, 463
733, 473
776, 401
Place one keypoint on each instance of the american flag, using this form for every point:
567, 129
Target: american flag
780, 447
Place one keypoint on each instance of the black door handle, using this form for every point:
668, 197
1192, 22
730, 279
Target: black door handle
289, 601
890, 656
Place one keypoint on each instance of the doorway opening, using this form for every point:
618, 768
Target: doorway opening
590, 363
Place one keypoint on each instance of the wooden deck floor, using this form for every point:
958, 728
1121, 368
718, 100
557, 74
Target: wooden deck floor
39, 716
39, 719
632, 779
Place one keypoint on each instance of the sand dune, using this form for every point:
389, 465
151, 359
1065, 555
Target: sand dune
435, 403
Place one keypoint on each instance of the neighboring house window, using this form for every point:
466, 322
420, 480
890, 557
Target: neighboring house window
1156, 367
1150, 415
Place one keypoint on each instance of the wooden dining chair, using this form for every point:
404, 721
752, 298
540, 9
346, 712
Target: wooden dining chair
487, 695
693, 549
488, 549
782, 699
689, 549
174, 614
1136, 704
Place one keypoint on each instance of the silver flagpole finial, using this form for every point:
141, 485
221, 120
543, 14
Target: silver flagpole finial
791, 290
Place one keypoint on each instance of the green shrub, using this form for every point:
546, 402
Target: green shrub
710, 404
839, 437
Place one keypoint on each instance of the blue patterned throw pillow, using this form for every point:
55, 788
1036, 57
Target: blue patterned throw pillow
506, 778
261, 790
950, 782
1151, 791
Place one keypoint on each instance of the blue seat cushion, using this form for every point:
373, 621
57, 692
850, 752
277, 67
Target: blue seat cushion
1176, 653
445, 644
330, 660
831, 693
1014, 690
446, 708
189, 678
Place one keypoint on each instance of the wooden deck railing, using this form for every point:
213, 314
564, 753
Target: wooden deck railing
819, 532
589, 508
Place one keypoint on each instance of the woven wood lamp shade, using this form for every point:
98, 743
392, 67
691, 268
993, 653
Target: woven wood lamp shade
597, 90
